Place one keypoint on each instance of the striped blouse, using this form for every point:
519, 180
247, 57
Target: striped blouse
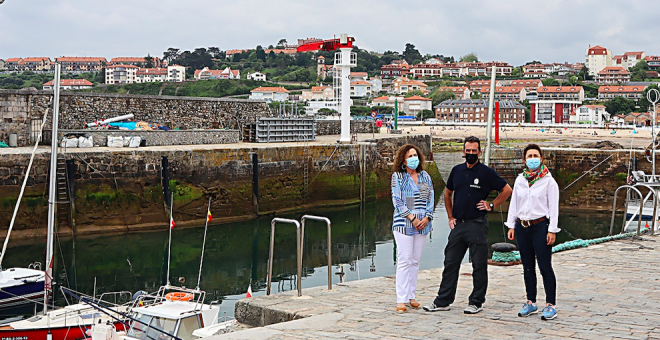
412, 198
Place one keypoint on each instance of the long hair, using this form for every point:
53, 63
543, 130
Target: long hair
400, 158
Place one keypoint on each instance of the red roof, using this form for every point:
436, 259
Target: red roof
417, 98
550, 89
319, 88
597, 50
381, 98
503, 89
36, 59
71, 82
360, 82
81, 59
615, 89
269, 89
121, 65
637, 54
155, 71
13, 60
228, 52
525, 82
614, 70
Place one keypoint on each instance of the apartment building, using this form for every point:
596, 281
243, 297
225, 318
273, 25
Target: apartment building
227, 73
70, 84
460, 92
413, 105
528, 84
613, 75
81, 64
398, 68
403, 85
628, 92
360, 88
36, 64
476, 110
121, 74
597, 58
653, 61
137, 61
270, 94
318, 93
554, 104
589, 114
516, 93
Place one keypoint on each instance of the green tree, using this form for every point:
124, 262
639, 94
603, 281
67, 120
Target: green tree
427, 114
148, 61
550, 82
517, 72
475, 95
620, 105
584, 73
261, 54
440, 96
215, 52
414, 93
171, 54
410, 54
638, 72
281, 43
644, 104
470, 58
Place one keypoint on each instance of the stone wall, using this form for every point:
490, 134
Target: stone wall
333, 127
158, 138
19, 107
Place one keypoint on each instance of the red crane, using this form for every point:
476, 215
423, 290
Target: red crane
326, 45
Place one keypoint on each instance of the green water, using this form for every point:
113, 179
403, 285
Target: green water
237, 253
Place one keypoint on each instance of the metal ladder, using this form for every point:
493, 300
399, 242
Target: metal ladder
62, 192
300, 237
306, 160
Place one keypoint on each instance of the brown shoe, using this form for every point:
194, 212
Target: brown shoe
401, 308
414, 304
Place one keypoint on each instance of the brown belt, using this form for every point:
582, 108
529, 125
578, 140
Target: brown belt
530, 223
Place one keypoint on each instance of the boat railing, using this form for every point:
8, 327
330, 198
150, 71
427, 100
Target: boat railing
302, 240
629, 189
198, 295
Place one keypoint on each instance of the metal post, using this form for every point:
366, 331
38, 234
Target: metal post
396, 114
302, 239
489, 124
255, 182
653, 97
345, 69
271, 251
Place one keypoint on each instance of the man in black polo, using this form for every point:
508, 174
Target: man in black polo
470, 184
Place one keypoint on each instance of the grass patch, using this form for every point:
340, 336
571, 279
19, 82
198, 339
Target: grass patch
184, 192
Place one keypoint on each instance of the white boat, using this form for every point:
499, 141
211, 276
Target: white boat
652, 186
20, 289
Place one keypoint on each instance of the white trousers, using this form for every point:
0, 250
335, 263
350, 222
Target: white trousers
408, 252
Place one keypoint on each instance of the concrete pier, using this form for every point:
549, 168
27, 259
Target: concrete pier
606, 291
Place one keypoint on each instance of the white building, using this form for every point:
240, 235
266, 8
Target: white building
176, 73
227, 73
121, 74
387, 101
70, 84
376, 84
589, 114
270, 94
597, 58
150, 75
258, 76
318, 93
360, 88
414, 104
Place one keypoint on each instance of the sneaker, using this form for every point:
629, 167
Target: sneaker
472, 309
528, 309
549, 313
433, 308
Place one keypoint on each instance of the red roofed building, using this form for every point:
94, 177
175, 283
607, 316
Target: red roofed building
414, 104
460, 92
628, 92
404, 85
589, 114
653, 61
516, 93
227, 73
137, 61
230, 53
35, 64
318, 93
398, 68
630, 59
81, 64
597, 58
11, 64
270, 94
478, 84
555, 103
360, 88
359, 75
70, 84
426, 70
120, 74
528, 84
613, 75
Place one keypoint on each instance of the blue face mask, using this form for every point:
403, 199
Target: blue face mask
413, 162
533, 163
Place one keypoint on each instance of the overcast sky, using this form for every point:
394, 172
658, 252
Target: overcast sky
515, 31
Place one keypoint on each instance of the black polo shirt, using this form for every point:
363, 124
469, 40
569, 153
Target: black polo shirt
471, 185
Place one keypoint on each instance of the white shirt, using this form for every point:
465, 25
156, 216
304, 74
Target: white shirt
531, 203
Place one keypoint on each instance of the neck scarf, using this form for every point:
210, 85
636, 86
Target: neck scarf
533, 176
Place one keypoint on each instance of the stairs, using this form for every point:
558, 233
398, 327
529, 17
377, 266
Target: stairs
588, 190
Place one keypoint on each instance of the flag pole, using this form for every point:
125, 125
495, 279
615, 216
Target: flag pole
201, 261
169, 243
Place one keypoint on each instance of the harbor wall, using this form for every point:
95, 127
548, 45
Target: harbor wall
121, 190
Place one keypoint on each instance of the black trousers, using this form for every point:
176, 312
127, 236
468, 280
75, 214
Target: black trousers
472, 235
534, 247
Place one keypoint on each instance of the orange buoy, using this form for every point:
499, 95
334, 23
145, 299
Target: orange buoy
178, 296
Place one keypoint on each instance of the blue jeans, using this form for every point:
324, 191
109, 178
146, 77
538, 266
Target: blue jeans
533, 248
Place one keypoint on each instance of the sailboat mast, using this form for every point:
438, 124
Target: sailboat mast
52, 189
201, 261
169, 242
489, 124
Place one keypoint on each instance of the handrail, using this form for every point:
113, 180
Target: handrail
270, 252
655, 205
629, 187
302, 240
588, 171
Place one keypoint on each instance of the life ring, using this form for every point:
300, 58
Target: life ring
179, 296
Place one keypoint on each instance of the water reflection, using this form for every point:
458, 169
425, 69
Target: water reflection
237, 253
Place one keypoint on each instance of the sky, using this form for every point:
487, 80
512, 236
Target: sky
514, 31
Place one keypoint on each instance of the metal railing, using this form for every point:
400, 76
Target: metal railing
270, 252
588, 171
302, 239
625, 214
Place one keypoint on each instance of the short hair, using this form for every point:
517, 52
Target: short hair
532, 147
472, 139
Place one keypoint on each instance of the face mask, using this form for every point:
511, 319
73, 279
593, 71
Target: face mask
471, 158
533, 163
412, 162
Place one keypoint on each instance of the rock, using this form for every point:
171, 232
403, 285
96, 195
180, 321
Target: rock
604, 145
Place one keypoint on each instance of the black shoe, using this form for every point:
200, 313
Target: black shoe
433, 308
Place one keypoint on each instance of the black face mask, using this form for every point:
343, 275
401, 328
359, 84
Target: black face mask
471, 158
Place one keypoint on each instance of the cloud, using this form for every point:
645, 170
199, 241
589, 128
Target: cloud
515, 31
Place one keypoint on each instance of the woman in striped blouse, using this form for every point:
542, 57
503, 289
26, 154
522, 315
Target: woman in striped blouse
412, 195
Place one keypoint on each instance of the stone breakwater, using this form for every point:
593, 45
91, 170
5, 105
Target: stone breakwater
122, 189
333, 127
20, 109
161, 138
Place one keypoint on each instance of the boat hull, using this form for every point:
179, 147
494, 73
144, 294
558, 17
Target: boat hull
59, 333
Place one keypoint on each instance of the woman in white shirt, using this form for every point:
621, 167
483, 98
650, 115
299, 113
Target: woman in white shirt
533, 215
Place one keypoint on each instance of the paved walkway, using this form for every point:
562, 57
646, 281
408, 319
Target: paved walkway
607, 291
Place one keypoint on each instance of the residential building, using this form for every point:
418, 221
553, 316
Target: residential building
227, 73
629, 92
597, 58
398, 68
413, 105
308, 40
638, 118
460, 92
376, 84
121, 74
150, 75
403, 85
528, 84
433, 61
360, 88
318, 93
613, 75
2, 65
36, 64
476, 110
258, 76
630, 59
359, 76
426, 70
389, 101
516, 93
81, 64
554, 104
478, 84
176, 73
270, 94
589, 114
619, 119
289, 51
12, 64
230, 53
137, 61
70, 84
653, 61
